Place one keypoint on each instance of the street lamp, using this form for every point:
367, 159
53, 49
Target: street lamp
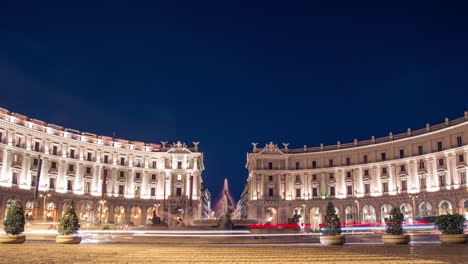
44, 195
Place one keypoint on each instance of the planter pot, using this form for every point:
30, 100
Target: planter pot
68, 239
12, 239
395, 239
453, 239
332, 240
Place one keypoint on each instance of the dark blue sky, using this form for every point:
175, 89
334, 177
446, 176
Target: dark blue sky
231, 74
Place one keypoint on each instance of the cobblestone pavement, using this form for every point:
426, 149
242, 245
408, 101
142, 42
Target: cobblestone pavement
144, 253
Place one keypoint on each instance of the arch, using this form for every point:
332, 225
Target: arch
31, 210
368, 214
445, 207
86, 213
385, 212
103, 213
350, 212
315, 219
119, 215
424, 209
135, 215
407, 211
152, 210
271, 215
464, 208
50, 212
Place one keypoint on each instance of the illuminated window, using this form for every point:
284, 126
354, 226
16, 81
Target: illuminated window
179, 177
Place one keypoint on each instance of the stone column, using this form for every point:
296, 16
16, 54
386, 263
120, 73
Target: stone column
44, 180
78, 185
451, 168
5, 173
25, 180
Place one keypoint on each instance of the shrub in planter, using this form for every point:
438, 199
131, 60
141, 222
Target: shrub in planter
395, 234
14, 225
451, 226
331, 234
68, 227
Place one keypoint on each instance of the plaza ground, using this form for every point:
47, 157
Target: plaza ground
33, 252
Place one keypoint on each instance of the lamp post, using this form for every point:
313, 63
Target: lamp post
44, 195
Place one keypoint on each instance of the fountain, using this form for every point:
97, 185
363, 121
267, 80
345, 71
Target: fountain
224, 209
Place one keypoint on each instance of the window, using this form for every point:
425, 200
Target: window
138, 175
421, 164
36, 146
270, 165
402, 153
122, 161
88, 170
54, 150
89, 156
348, 174
298, 178
153, 177
441, 162
439, 146
52, 183
422, 183
314, 164
459, 141
33, 180
384, 170
383, 156
153, 191
122, 174
179, 177
385, 187
178, 192
348, 161
15, 178
404, 186
70, 167
349, 190
314, 177
332, 191
463, 177
70, 185
330, 163
138, 162
366, 172
270, 192
461, 158
35, 162
420, 150
154, 164
402, 168
332, 176
270, 178
314, 192
106, 158
442, 180
298, 192
72, 153
365, 158
53, 165
297, 165
367, 188
121, 189
179, 164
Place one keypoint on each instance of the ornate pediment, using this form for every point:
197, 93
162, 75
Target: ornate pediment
271, 148
178, 147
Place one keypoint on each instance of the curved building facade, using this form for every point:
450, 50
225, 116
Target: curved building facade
111, 180
423, 172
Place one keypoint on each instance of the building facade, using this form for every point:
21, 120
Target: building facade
111, 180
423, 172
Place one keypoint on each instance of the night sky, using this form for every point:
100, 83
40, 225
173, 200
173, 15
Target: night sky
231, 74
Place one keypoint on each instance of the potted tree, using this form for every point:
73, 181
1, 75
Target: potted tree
14, 225
451, 226
394, 229
68, 227
331, 234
